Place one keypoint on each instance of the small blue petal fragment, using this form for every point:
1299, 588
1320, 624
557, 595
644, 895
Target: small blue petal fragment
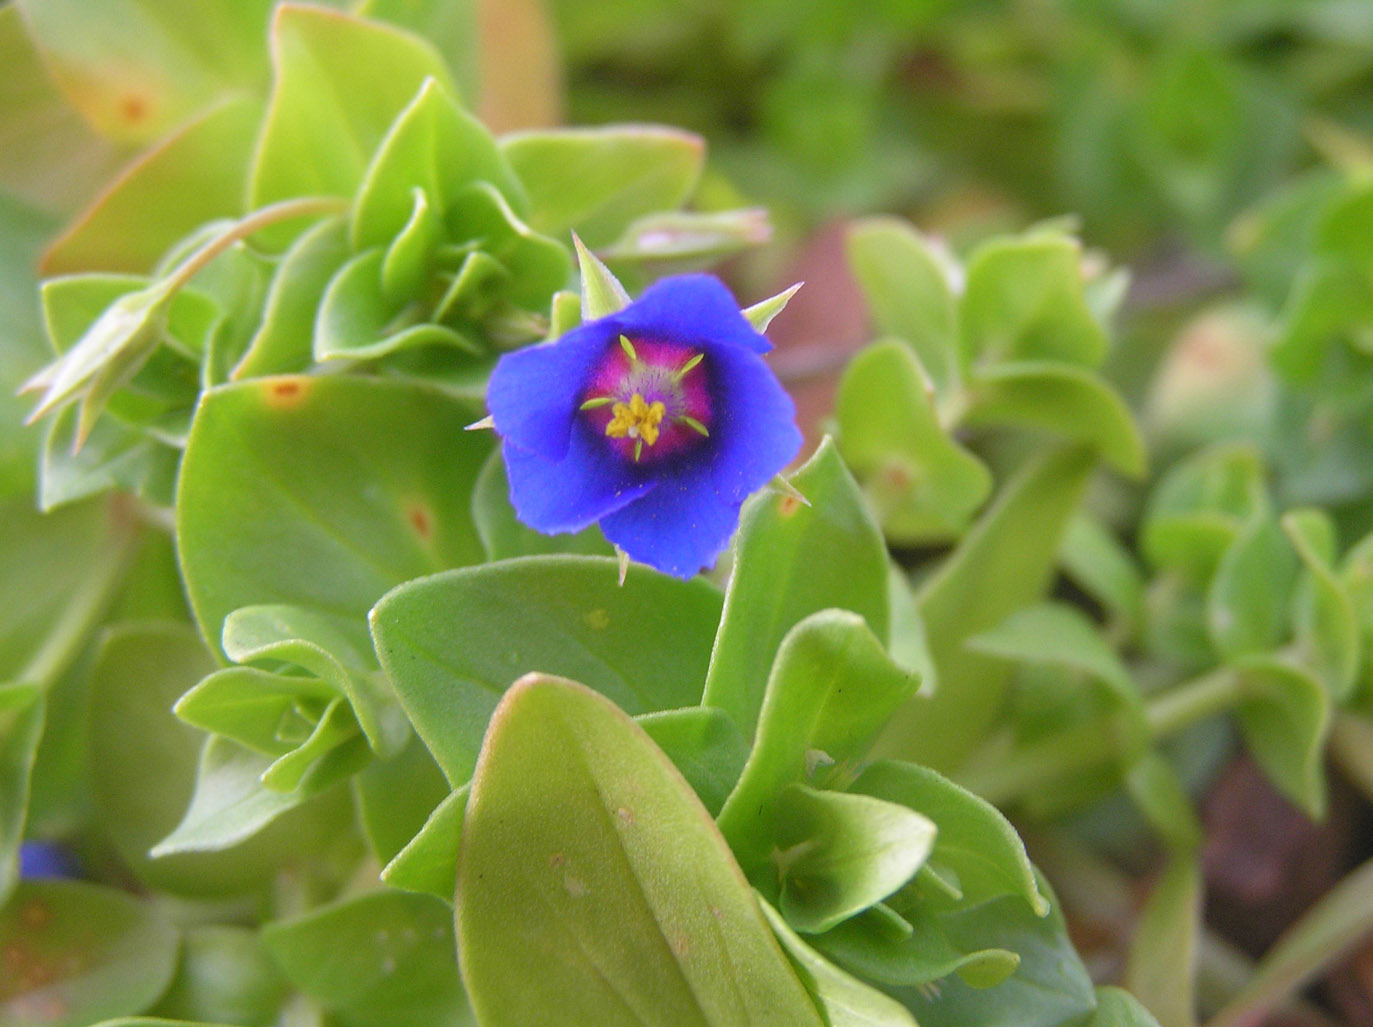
46, 860
694, 310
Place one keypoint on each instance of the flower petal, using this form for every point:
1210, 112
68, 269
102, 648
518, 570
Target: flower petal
589, 482
692, 310
754, 430
679, 527
533, 393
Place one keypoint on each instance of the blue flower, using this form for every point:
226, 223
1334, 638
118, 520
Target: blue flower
656, 421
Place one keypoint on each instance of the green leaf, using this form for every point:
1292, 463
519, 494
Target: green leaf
79, 953
538, 266
1285, 716
907, 288
383, 957
1325, 933
283, 342
1069, 401
1050, 986
22, 713
433, 146
921, 483
453, 643
974, 840
339, 84
147, 763
1101, 565
1061, 635
628, 905
231, 805
845, 1000
1250, 595
192, 176
596, 181
49, 156
1158, 791
838, 854
450, 25
702, 743
1024, 301
333, 649
113, 457
1198, 506
323, 493
267, 712
1118, 1008
224, 976
1006, 562
792, 560
396, 796
137, 68
358, 321
831, 689
1163, 954
429, 861
502, 534
602, 294
679, 241
334, 737
1326, 626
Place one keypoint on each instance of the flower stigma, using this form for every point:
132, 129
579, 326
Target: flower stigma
647, 393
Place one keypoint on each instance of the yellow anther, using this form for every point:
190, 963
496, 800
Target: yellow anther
638, 419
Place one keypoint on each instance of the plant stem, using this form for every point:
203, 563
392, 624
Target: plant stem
1083, 746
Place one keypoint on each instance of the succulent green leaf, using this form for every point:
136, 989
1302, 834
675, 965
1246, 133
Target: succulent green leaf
1157, 789
382, 957
434, 147
1069, 401
908, 644
323, 493
792, 560
574, 891
192, 176
283, 342
1118, 1008
1327, 628
845, 1000
1285, 717
1199, 506
1062, 635
922, 484
1004, 563
483, 216
909, 294
137, 68
357, 320
683, 240
504, 537
602, 294
837, 854
702, 743
596, 181
975, 841
1101, 565
339, 84
267, 712
1049, 988
80, 953
1024, 301
22, 713
1163, 955
334, 734
231, 805
831, 689
114, 456
880, 946
396, 796
429, 860
408, 256
224, 976
453, 643
1248, 603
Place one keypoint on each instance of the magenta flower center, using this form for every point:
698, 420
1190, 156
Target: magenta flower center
649, 399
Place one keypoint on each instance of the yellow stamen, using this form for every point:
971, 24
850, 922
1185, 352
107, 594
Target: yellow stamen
638, 420
597, 401
686, 368
693, 424
628, 347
